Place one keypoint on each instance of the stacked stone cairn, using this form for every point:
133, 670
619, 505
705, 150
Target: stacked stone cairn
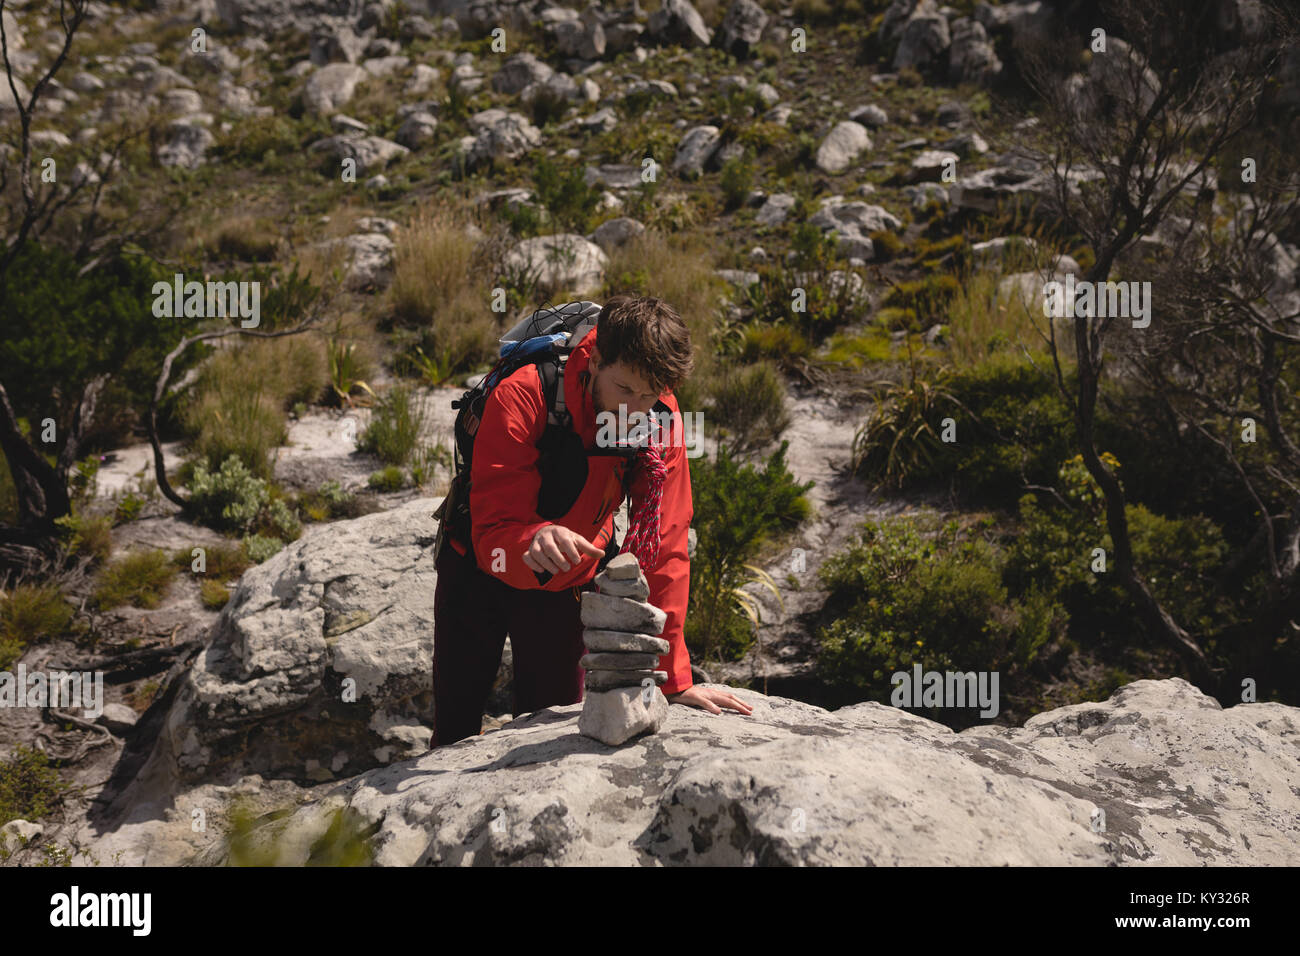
622, 697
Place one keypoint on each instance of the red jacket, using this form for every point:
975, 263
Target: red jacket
504, 482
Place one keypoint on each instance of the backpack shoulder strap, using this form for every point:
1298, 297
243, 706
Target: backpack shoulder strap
552, 376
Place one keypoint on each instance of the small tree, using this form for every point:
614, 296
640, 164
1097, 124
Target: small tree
1130, 147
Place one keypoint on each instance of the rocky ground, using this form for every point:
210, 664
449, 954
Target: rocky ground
251, 705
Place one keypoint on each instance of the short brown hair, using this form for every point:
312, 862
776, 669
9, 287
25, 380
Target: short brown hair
646, 334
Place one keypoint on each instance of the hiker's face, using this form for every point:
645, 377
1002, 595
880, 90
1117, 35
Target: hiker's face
619, 384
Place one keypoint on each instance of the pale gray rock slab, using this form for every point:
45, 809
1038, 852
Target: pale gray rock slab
604, 680
842, 145
332, 87
622, 641
616, 716
1181, 781
618, 661
350, 601
622, 567
621, 614
637, 589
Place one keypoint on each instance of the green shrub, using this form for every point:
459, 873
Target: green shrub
1012, 427
901, 439
89, 534
388, 479
781, 343
927, 297
737, 180
261, 548
749, 403
918, 591
326, 502
28, 613
1053, 552
829, 298
395, 424
737, 508
30, 789
213, 594
140, 579
565, 193
230, 499
885, 244
62, 326
872, 345
221, 562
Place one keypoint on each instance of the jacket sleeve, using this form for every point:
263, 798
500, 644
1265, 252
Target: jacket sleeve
504, 479
670, 580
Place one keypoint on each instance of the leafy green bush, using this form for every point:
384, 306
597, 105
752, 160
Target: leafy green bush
261, 548
387, 479
30, 789
88, 534
927, 298
885, 244
565, 193
737, 180
326, 502
30, 612
916, 591
213, 594
737, 508
140, 579
750, 403
64, 327
395, 424
829, 299
1012, 427
230, 499
1053, 551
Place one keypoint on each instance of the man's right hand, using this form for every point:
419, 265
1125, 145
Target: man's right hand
556, 549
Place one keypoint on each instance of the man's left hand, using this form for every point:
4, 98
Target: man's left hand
711, 699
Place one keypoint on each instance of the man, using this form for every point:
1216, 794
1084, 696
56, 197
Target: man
638, 352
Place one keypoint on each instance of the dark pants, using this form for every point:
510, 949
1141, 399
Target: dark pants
473, 612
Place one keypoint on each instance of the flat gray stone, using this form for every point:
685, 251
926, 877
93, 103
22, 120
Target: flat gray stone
621, 614
638, 588
619, 661
616, 716
607, 680
598, 640
622, 567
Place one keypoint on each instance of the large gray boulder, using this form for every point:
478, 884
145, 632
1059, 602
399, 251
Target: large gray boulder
560, 260
924, 39
971, 58
332, 87
676, 21
842, 145
321, 664
741, 29
499, 134
1157, 774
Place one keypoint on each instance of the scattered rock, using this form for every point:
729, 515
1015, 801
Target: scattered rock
842, 146
562, 259
677, 21
332, 87
695, 149
741, 29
